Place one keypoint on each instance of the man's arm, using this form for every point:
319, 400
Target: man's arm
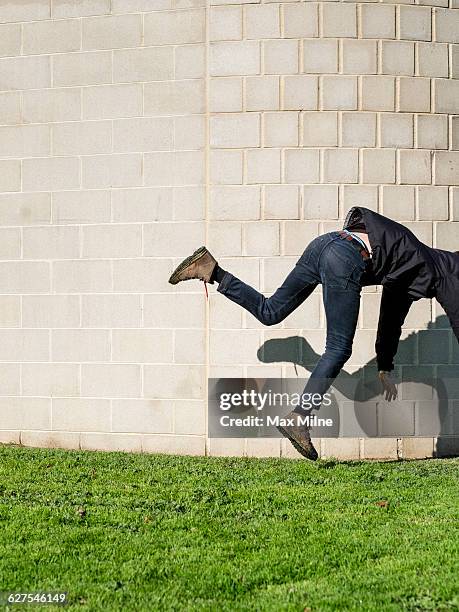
394, 308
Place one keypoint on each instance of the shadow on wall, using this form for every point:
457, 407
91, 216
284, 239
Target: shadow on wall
431, 387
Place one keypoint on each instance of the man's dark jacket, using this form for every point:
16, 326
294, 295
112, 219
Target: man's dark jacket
408, 270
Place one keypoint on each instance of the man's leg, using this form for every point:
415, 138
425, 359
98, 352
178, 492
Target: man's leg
297, 286
341, 311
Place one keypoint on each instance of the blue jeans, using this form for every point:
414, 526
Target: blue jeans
339, 266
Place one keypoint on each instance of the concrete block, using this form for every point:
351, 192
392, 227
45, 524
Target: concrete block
262, 21
190, 347
115, 170
432, 203
229, 203
10, 311
112, 101
80, 345
378, 166
281, 202
105, 241
300, 92
10, 437
174, 97
51, 439
10, 107
10, 384
48, 105
301, 20
380, 448
110, 311
415, 23
147, 204
144, 275
225, 95
142, 345
378, 20
378, 93
17, 413
261, 238
50, 37
79, 8
339, 93
148, 64
81, 276
174, 381
227, 447
174, 27
142, 416
70, 69
190, 61
25, 10
110, 380
341, 166
320, 56
126, 443
414, 95
432, 59
235, 131
396, 418
280, 56
174, 168
297, 235
417, 448
225, 23
446, 93
56, 242
415, 167
190, 417
50, 311
81, 207
447, 25
174, 445
262, 93
263, 165
320, 201
10, 175
24, 140
24, 345
50, 379
341, 448
280, 129
320, 129
263, 447
226, 167
168, 311
25, 277
234, 58
359, 56
397, 130
81, 414
25, 208
25, 72
432, 131
397, 58
301, 166
82, 137
399, 202
358, 129
446, 167
339, 20
360, 195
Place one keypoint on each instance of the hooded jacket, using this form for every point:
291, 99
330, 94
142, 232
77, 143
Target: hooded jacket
408, 270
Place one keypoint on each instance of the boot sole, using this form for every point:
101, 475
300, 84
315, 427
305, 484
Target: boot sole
185, 263
297, 446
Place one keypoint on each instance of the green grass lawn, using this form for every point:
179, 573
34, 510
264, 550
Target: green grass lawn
146, 532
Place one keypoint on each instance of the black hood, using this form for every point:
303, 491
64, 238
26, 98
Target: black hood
399, 259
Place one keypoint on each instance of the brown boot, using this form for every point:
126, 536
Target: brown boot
299, 436
199, 265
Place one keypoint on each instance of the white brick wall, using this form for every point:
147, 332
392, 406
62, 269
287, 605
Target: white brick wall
132, 132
